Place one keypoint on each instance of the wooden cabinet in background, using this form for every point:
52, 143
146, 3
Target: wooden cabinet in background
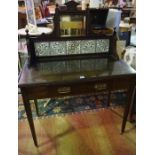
21, 20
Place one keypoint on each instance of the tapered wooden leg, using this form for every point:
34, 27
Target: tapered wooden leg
133, 107
127, 108
37, 109
30, 119
109, 98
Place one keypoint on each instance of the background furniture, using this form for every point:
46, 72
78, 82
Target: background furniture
125, 32
21, 20
113, 19
40, 30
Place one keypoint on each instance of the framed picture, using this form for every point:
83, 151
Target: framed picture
30, 12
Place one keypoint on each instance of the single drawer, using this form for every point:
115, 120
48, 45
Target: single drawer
47, 91
90, 87
122, 83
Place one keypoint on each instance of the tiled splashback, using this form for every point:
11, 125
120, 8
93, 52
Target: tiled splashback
71, 47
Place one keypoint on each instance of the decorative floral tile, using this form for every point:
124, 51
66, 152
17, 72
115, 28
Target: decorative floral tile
50, 48
58, 48
42, 48
88, 46
102, 45
73, 47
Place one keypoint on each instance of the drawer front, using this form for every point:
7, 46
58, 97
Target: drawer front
122, 83
47, 91
78, 88
90, 87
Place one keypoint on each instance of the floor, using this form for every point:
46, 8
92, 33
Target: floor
85, 133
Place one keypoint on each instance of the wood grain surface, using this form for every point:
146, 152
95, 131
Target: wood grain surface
86, 133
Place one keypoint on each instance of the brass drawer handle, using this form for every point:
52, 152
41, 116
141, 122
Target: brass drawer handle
100, 86
64, 90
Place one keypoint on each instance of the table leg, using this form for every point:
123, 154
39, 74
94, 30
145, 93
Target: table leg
36, 105
127, 108
133, 107
30, 119
109, 98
